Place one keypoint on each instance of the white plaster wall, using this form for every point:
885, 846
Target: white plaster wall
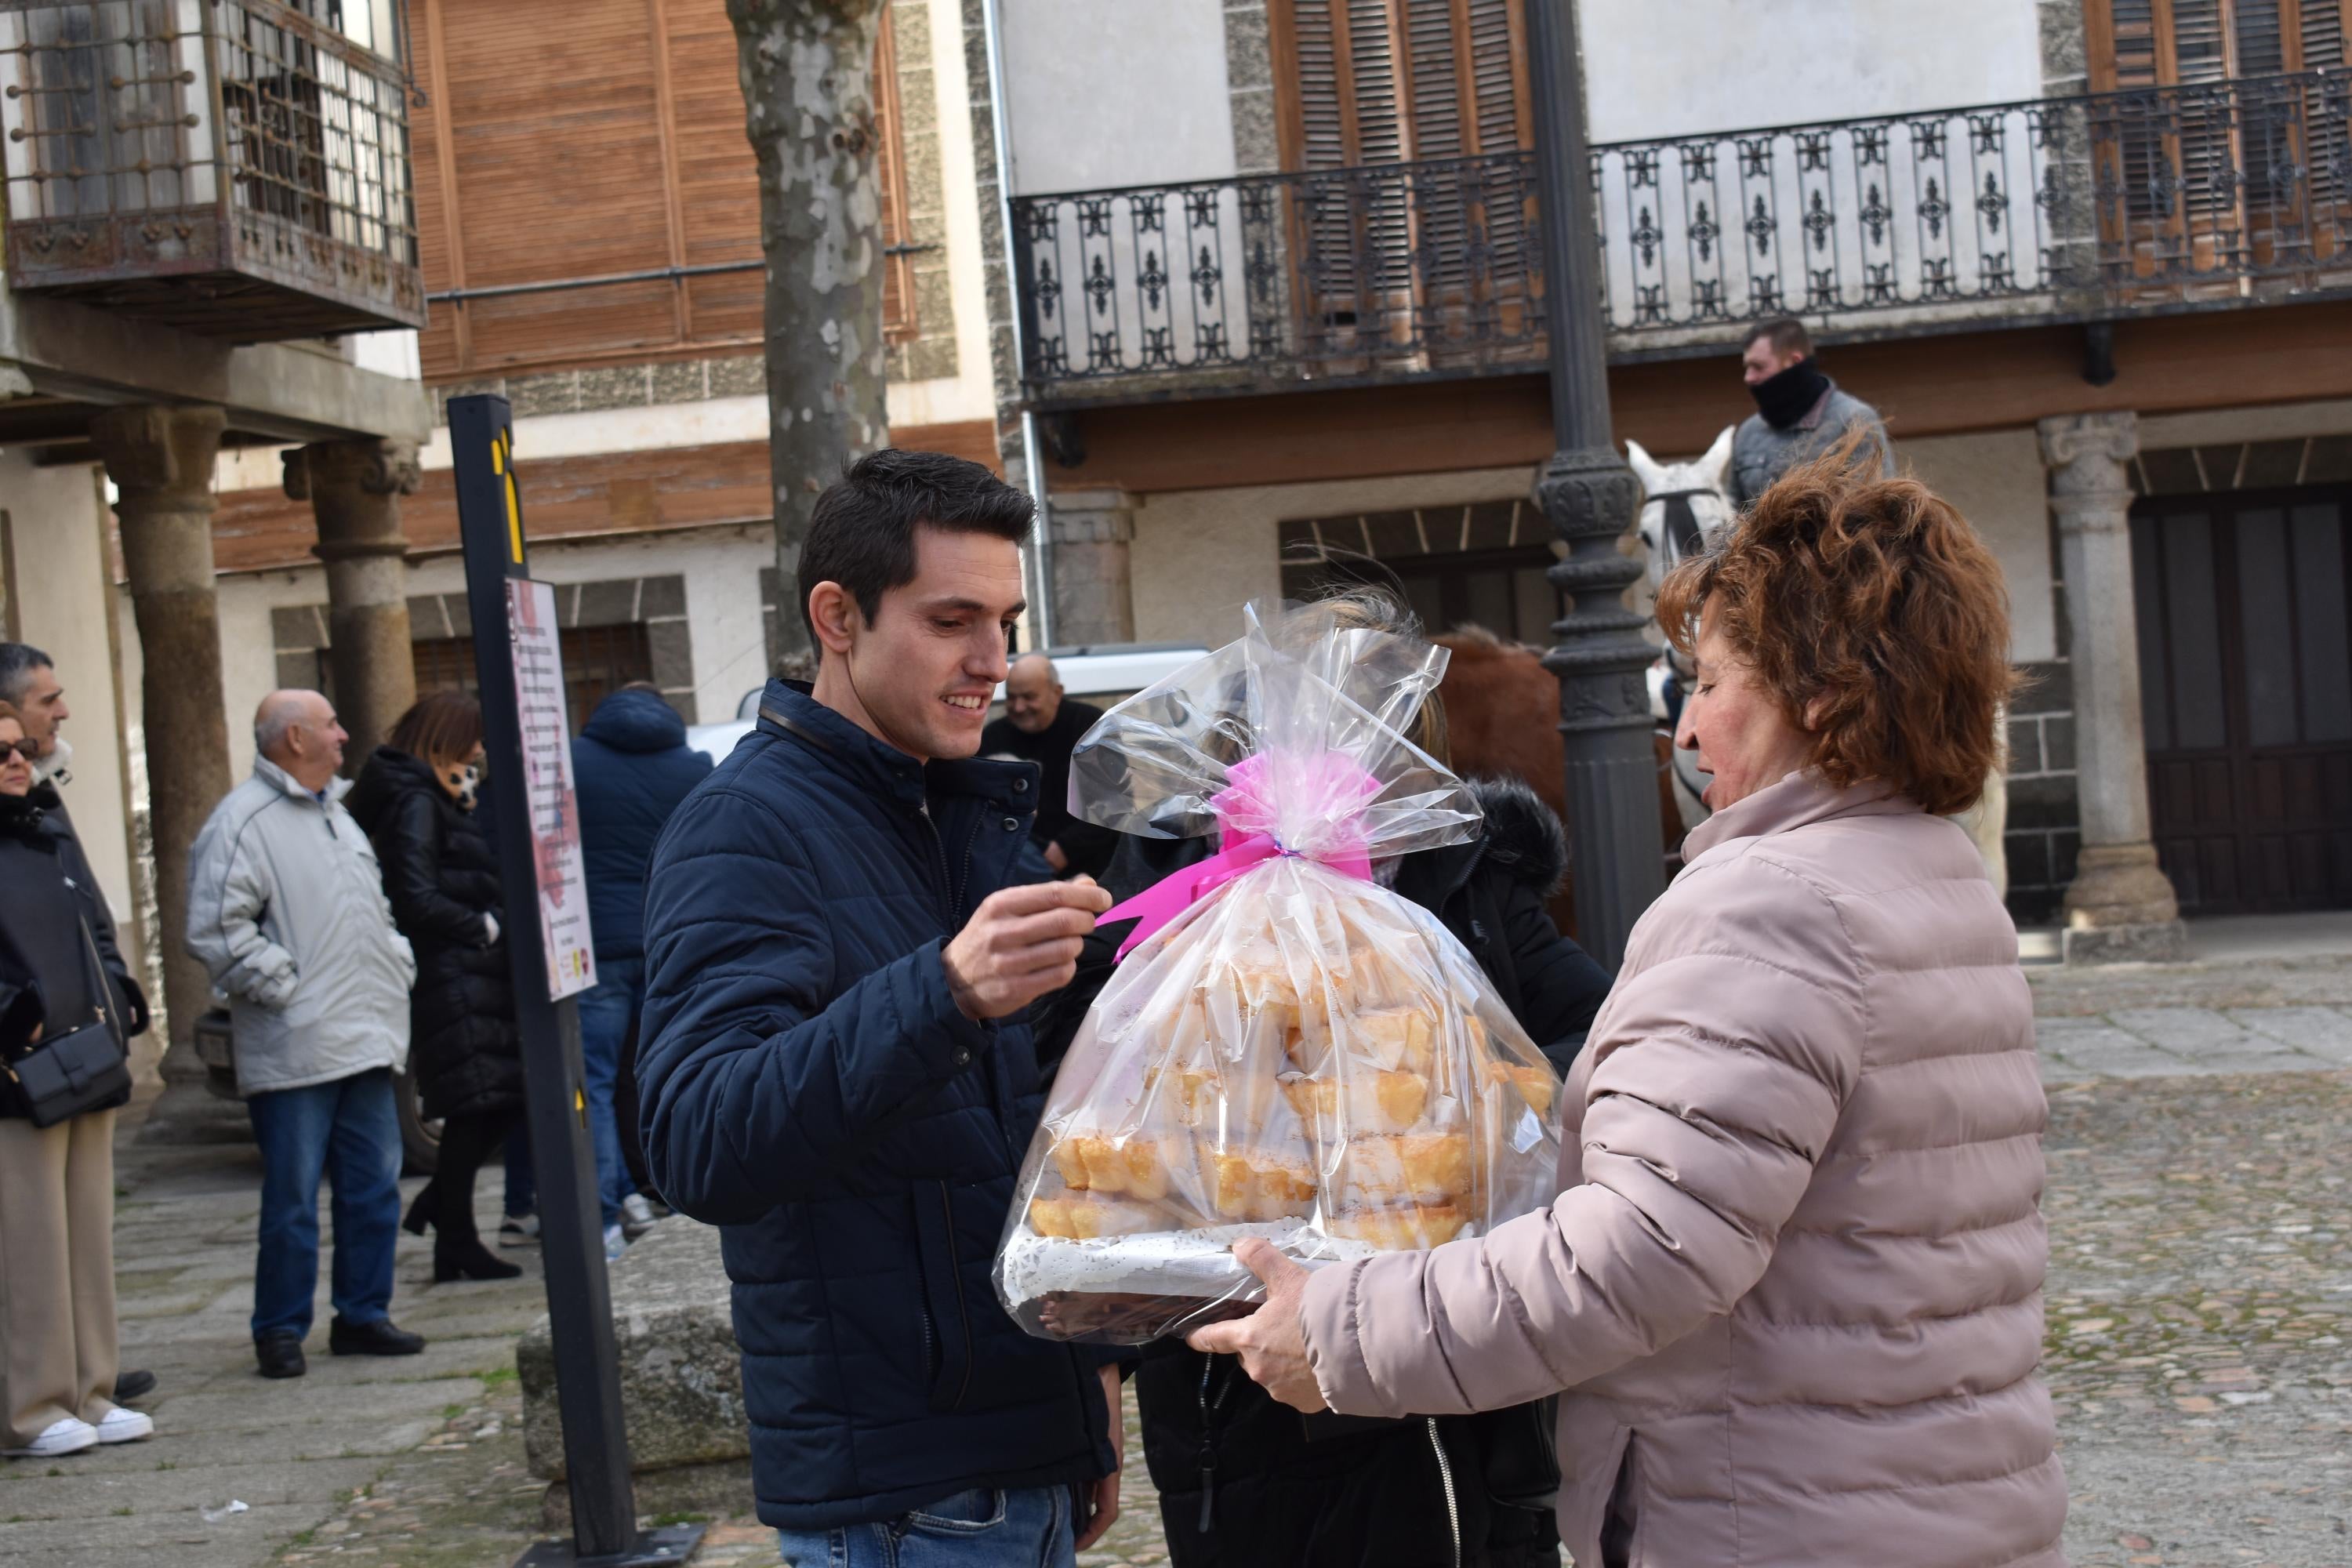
56, 520
1668, 67
720, 565
1200, 555
1997, 482
1116, 92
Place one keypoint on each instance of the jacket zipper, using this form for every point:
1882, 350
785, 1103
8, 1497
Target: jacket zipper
1445, 1479
1209, 1442
963, 1313
940, 854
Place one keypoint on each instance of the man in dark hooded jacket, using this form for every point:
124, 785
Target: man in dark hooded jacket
630, 768
837, 1069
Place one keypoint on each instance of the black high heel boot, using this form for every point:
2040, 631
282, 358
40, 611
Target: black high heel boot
469, 1260
420, 1212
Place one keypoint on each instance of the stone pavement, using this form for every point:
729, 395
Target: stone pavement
2200, 1351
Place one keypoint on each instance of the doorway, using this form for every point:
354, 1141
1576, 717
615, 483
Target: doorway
2246, 660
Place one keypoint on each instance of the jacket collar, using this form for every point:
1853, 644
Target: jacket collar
1813, 415
1797, 801
277, 778
787, 709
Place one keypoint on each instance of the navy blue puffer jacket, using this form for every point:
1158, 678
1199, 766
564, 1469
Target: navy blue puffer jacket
808, 1084
630, 767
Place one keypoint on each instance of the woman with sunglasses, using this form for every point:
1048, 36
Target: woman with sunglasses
60, 972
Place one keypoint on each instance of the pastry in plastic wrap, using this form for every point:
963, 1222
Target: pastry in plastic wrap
1288, 1049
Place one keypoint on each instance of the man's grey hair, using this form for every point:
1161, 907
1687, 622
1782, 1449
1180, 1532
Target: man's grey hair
17, 662
278, 716
1053, 675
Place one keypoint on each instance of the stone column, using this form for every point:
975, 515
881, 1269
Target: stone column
1094, 592
2120, 906
161, 460
354, 490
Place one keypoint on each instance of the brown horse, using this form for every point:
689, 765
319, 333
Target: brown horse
1502, 719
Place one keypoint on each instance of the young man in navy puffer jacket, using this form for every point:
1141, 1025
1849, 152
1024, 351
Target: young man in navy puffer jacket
836, 1066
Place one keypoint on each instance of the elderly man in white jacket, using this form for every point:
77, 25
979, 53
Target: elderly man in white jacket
286, 909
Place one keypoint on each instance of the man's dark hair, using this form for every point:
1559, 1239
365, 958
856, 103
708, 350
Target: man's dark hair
1787, 334
862, 533
17, 662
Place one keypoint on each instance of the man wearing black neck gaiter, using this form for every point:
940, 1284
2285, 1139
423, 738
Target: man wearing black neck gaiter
1799, 413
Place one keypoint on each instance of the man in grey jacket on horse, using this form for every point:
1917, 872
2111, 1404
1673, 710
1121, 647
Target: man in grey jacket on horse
1799, 413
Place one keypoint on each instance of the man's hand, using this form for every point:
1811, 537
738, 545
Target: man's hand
1270, 1342
1055, 858
1021, 943
1102, 1504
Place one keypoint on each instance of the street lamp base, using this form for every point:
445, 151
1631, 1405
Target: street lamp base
665, 1547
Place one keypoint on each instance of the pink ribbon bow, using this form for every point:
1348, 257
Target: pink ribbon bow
1328, 787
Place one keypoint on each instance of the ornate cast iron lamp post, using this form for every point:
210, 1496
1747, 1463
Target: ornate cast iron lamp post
1592, 499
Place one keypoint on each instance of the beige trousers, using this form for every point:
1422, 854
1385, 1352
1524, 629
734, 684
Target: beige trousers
57, 1274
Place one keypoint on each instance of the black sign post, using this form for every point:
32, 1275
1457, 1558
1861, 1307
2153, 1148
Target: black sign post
547, 939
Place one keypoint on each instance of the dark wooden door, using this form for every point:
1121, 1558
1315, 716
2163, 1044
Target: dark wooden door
2246, 692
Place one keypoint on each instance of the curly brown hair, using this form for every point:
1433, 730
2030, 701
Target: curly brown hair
1873, 613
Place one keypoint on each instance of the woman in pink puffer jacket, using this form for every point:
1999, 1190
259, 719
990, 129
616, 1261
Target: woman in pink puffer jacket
1790, 1291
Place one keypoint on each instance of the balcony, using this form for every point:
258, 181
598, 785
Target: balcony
2055, 210
236, 169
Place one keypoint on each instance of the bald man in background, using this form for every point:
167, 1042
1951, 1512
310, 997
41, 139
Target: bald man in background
1042, 726
287, 912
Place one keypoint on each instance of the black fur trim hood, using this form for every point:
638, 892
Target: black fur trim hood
1523, 834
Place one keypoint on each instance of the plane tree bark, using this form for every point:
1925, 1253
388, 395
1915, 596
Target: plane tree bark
809, 107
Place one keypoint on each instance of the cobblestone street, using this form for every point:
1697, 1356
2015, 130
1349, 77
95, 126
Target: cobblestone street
2200, 1351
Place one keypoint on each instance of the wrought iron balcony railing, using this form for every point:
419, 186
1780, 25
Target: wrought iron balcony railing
2061, 209
235, 168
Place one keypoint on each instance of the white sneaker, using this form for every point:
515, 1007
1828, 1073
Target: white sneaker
70, 1436
616, 1242
636, 1215
122, 1426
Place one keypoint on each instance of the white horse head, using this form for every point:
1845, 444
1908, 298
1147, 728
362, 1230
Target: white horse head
1682, 504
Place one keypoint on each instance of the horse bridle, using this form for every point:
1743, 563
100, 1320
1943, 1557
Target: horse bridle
1681, 523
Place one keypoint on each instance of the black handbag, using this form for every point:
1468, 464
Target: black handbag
81, 1070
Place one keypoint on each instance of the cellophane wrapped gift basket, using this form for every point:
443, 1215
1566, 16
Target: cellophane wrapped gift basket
1288, 1049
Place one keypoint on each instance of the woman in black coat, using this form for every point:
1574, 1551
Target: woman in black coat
415, 798
1245, 1480
61, 971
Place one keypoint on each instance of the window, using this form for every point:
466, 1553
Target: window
2213, 180
639, 164
1407, 89
597, 662
2166, 43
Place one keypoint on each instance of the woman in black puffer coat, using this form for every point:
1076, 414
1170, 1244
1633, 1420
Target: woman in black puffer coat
1244, 1480
414, 799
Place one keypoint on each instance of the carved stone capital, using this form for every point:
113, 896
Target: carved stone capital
152, 449
2085, 453
375, 468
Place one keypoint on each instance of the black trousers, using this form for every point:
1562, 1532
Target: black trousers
465, 1142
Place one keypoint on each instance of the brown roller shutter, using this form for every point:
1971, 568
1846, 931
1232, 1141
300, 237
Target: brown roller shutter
629, 155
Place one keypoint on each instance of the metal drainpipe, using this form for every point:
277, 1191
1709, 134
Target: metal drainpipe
1037, 566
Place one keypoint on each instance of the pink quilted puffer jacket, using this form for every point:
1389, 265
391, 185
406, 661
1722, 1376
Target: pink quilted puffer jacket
1793, 1283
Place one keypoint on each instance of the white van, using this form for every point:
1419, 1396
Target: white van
1102, 673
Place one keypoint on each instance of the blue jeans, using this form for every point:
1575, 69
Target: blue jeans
349, 1132
975, 1528
523, 1184
607, 1009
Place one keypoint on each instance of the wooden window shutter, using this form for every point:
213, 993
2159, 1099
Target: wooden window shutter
639, 164
1382, 81
1374, 83
2168, 43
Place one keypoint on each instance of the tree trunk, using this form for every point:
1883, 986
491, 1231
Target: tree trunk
807, 73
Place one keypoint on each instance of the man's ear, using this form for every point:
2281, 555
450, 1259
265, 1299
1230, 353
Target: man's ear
834, 610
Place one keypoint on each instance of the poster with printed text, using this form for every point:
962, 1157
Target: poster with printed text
554, 806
